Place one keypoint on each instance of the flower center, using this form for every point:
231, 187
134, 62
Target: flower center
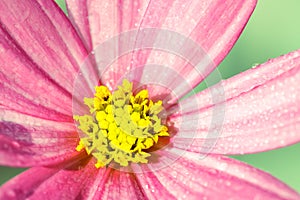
121, 125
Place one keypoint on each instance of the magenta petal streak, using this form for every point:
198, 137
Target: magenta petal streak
30, 141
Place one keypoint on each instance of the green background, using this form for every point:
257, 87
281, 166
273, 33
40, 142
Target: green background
273, 30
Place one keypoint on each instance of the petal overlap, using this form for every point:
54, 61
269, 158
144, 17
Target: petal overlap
40, 56
30, 141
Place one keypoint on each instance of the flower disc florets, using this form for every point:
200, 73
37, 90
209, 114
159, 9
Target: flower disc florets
121, 125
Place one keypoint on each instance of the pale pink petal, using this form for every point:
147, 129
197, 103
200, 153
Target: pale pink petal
68, 181
259, 110
40, 53
213, 177
102, 20
213, 25
97, 20
29, 141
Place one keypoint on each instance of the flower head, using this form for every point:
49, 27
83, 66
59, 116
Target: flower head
96, 103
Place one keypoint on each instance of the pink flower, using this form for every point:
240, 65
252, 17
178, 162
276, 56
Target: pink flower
41, 53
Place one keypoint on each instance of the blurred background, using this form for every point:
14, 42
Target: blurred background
273, 30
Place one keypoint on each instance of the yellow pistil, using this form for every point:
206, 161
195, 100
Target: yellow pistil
121, 126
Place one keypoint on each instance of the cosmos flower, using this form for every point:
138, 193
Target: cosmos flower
59, 118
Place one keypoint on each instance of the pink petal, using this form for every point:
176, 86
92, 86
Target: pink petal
40, 53
60, 182
259, 111
214, 25
78, 14
214, 177
30, 141
79, 179
96, 21
119, 185
154, 188
112, 184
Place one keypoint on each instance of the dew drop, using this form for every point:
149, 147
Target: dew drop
11, 193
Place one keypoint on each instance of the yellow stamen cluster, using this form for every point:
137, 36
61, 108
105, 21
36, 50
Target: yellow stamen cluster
121, 125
